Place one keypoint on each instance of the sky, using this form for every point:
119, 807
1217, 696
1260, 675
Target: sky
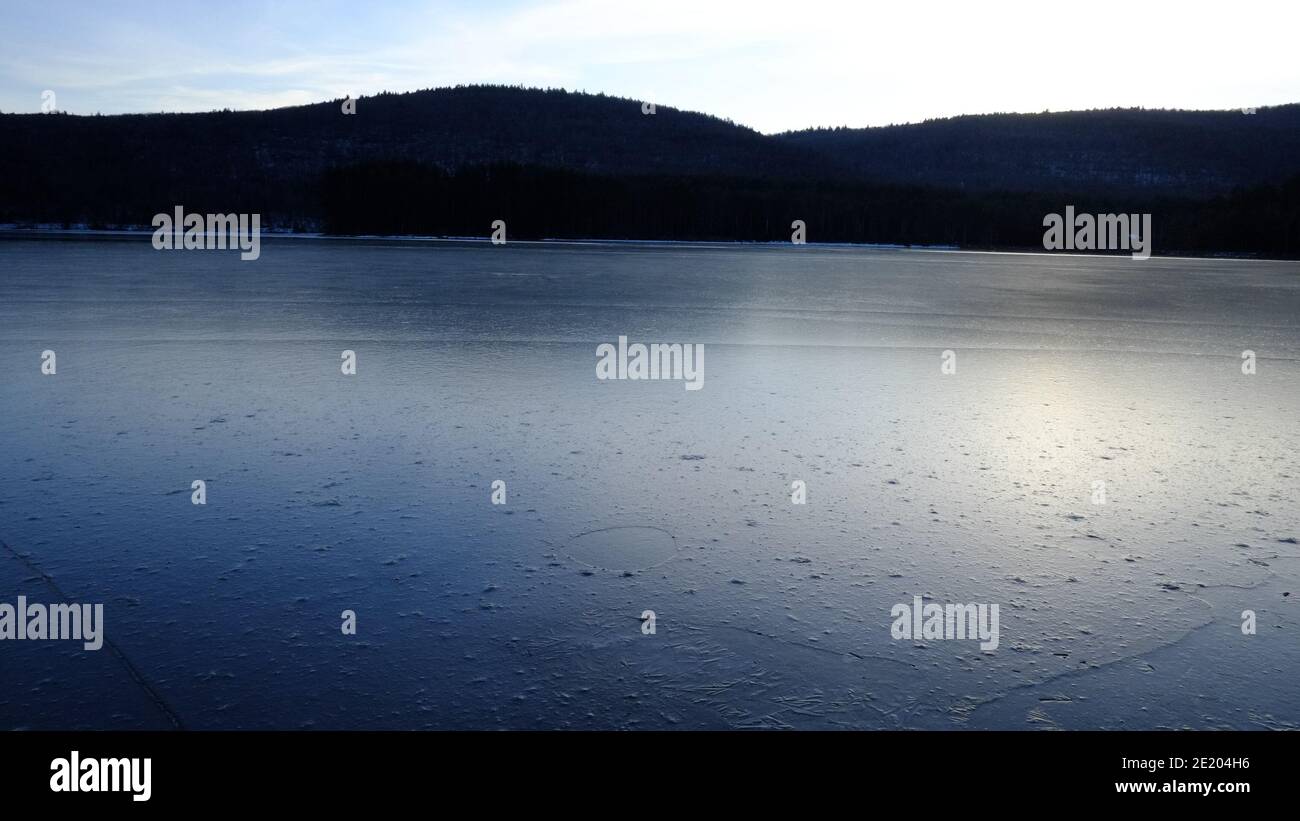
773, 66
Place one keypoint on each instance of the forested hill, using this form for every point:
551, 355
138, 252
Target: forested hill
267, 152
558, 164
1194, 153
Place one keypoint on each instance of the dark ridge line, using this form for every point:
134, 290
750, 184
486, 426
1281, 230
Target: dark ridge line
131, 669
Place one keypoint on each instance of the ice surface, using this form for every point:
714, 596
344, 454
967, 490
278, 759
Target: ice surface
475, 363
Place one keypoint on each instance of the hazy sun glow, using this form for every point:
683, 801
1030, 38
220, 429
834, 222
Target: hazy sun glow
771, 65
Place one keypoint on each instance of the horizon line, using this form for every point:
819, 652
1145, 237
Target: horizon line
665, 106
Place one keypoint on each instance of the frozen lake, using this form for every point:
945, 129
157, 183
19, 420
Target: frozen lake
372, 492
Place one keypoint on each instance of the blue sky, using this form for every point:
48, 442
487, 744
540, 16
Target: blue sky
770, 65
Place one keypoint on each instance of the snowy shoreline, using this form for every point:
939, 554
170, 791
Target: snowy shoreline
11, 231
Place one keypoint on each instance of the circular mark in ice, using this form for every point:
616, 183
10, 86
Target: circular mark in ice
635, 547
